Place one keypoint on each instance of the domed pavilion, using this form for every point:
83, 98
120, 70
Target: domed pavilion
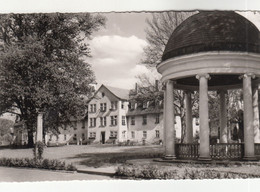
212, 51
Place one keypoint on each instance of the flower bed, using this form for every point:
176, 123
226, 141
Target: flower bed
51, 164
154, 172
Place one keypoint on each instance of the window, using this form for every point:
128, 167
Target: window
157, 118
92, 134
123, 134
123, 120
157, 133
144, 119
113, 120
103, 94
113, 105
103, 107
83, 136
133, 120
75, 137
74, 125
65, 137
133, 134
113, 134
93, 108
92, 122
83, 123
144, 134
103, 121
123, 105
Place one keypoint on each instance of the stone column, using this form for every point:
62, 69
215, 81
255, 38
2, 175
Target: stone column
204, 117
248, 118
169, 121
223, 117
256, 114
39, 127
164, 119
188, 118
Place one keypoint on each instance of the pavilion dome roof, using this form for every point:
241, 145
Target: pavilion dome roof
213, 31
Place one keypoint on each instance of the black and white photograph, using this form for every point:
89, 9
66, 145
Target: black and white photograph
130, 95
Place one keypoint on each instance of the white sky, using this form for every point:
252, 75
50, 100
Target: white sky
118, 48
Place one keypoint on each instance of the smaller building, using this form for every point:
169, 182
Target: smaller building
145, 122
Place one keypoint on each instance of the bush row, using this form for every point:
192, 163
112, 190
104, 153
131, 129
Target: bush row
145, 172
52, 164
154, 172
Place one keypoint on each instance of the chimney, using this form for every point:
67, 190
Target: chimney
156, 85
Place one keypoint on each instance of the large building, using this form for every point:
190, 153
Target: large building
107, 115
114, 115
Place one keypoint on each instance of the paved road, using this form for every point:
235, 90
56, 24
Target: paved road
21, 175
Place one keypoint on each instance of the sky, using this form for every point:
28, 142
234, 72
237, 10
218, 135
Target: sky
117, 49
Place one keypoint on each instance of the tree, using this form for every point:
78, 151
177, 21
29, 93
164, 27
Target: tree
42, 67
158, 32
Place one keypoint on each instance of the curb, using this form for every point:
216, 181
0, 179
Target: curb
110, 174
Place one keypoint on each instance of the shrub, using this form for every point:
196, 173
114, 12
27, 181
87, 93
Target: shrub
153, 172
38, 150
145, 172
213, 174
52, 164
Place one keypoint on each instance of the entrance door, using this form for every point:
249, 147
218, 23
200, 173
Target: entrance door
103, 137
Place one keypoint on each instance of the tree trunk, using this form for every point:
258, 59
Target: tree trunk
30, 129
183, 128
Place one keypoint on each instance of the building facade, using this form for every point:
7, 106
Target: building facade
113, 116
107, 111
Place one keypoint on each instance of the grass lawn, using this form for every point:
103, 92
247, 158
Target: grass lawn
111, 156
90, 155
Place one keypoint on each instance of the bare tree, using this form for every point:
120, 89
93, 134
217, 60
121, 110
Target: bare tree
160, 27
158, 32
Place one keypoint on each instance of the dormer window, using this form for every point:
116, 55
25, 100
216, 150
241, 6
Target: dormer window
132, 105
145, 104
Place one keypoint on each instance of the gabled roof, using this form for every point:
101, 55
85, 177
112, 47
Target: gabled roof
118, 92
122, 94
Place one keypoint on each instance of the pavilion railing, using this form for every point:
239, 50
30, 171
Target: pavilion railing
187, 151
257, 149
217, 151
227, 151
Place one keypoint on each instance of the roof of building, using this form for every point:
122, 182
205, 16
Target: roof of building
213, 31
118, 92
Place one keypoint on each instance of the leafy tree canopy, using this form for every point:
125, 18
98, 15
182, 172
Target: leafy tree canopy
42, 65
